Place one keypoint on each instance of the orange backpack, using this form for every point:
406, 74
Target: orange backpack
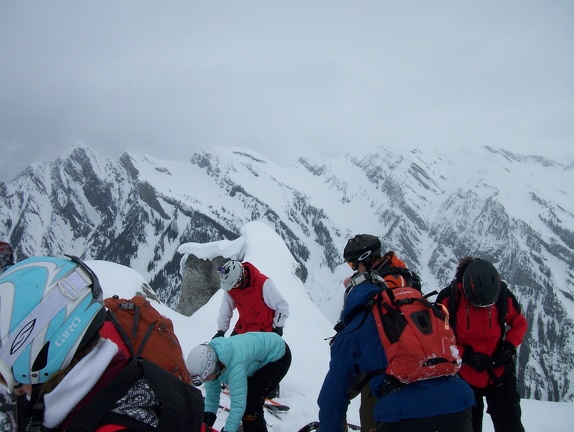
415, 333
395, 272
147, 333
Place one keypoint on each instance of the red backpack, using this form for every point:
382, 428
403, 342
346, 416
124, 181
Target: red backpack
415, 333
147, 334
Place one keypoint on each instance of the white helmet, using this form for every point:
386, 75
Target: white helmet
201, 362
230, 274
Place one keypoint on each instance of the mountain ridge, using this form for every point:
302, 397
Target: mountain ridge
431, 208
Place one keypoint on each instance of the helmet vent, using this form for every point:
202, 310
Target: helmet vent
42, 359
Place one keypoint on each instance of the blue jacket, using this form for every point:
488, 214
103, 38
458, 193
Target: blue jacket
242, 355
356, 350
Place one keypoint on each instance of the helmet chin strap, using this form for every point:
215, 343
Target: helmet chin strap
36, 423
368, 262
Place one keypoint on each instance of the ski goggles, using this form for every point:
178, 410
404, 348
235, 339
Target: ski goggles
354, 262
196, 380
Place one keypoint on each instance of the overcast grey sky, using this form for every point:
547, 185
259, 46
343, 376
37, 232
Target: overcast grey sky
286, 78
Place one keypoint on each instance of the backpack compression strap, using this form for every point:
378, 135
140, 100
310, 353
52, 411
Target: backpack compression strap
126, 338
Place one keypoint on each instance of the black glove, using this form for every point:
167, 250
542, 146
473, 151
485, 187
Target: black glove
220, 333
505, 355
209, 418
278, 330
478, 361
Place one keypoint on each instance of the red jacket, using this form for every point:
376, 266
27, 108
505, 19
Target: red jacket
254, 314
479, 328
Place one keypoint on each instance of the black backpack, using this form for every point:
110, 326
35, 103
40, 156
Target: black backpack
181, 404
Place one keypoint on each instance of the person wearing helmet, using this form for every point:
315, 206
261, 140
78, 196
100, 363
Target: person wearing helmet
440, 404
6, 256
259, 304
489, 326
363, 253
250, 365
51, 349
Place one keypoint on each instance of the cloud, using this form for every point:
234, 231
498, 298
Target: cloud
286, 79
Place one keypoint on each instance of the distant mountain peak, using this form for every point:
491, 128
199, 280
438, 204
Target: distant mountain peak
430, 207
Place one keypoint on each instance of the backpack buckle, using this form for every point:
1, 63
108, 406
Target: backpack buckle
371, 277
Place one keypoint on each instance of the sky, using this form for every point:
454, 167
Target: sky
300, 387
288, 79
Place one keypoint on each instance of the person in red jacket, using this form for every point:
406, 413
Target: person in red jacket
489, 326
260, 305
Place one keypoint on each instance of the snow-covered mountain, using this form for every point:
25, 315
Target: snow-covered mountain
430, 208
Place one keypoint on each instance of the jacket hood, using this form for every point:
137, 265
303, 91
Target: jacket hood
355, 299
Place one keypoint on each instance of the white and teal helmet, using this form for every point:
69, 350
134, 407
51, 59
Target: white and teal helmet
49, 307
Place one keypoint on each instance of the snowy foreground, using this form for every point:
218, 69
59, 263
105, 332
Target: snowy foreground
305, 331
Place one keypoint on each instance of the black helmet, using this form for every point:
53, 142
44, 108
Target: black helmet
481, 283
6, 255
362, 247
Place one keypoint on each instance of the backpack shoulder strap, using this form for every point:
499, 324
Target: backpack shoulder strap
502, 308
110, 316
453, 302
126, 338
412, 279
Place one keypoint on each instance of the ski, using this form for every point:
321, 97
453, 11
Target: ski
276, 405
273, 411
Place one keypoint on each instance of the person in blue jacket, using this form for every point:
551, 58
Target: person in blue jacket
250, 365
439, 405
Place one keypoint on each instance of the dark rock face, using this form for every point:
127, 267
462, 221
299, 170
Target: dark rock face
200, 281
